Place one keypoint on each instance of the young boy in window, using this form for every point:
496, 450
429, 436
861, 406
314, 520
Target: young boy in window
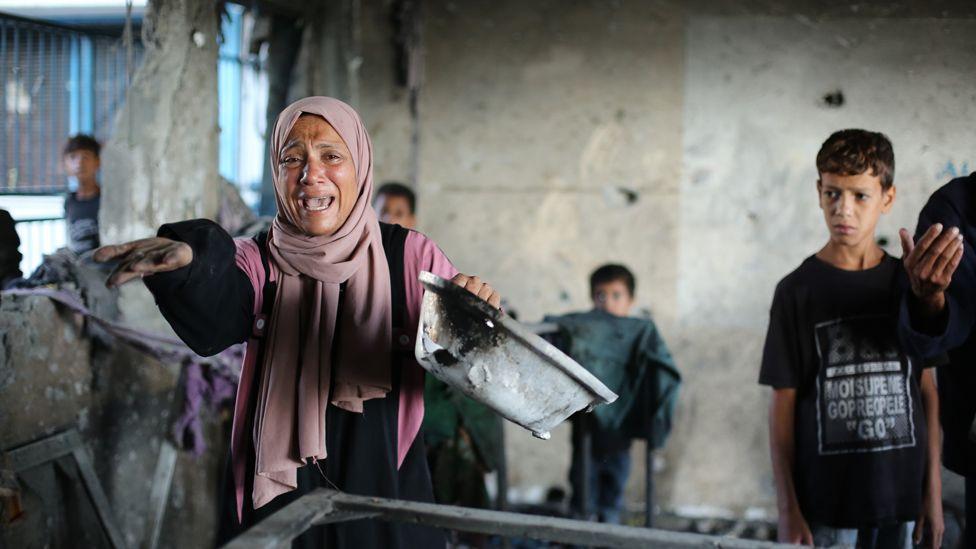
853, 422
81, 162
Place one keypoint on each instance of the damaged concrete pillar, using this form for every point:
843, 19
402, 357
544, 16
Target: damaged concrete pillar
161, 163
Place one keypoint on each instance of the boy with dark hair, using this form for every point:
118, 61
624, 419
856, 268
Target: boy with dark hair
629, 356
612, 289
853, 422
396, 204
81, 162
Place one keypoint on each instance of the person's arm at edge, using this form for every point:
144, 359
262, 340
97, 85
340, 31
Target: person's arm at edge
793, 528
931, 514
928, 327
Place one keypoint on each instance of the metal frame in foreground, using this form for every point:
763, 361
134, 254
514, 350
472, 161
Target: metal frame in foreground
325, 506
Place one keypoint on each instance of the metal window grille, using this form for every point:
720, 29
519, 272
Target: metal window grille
54, 82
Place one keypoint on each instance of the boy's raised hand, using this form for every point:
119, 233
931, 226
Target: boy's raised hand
931, 262
144, 257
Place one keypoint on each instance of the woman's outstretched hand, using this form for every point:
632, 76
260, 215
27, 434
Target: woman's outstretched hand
479, 288
144, 257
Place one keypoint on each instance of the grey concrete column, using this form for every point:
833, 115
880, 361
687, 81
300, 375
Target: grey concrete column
161, 163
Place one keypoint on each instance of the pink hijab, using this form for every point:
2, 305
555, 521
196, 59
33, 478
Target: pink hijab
303, 356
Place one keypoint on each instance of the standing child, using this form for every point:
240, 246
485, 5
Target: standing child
629, 356
81, 162
853, 422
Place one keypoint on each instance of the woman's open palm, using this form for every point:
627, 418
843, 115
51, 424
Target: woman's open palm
144, 257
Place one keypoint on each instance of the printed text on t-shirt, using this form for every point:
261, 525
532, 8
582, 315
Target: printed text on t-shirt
863, 399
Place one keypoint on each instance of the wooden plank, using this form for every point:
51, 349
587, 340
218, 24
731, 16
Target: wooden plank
159, 494
50, 449
43, 482
280, 528
42, 451
345, 516
97, 495
538, 527
327, 506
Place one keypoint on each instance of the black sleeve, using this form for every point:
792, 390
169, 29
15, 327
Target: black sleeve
781, 356
929, 340
209, 303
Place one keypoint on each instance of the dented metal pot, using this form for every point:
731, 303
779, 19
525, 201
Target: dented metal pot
493, 359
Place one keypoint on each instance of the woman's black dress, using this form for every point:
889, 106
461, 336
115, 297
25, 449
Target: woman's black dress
209, 304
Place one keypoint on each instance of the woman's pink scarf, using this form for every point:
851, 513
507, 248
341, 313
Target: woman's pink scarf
302, 356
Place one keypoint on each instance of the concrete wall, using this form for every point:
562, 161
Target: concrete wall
383, 104
532, 119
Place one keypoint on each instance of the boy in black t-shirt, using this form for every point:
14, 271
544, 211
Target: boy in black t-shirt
853, 422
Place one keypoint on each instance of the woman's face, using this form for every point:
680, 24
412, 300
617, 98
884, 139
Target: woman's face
319, 175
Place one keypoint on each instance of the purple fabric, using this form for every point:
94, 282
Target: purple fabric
207, 389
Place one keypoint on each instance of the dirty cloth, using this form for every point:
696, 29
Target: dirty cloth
628, 355
306, 366
64, 268
56, 268
206, 389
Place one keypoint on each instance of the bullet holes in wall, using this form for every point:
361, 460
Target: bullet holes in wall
834, 99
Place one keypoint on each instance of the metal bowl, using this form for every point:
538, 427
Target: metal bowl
493, 359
